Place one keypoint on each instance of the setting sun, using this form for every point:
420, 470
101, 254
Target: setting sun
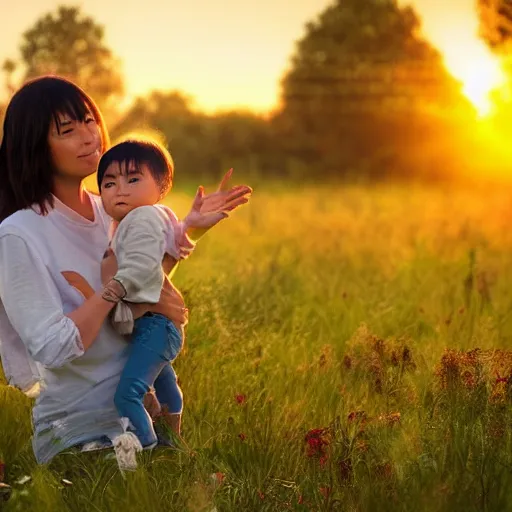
466, 56
480, 72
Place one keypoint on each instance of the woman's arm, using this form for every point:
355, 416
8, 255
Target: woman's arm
170, 305
93, 308
34, 307
171, 302
89, 317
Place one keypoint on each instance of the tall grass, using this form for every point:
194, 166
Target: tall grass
329, 364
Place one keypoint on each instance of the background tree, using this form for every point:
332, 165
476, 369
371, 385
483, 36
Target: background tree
8, 68
496, 22
170, 114
363, 84
202, 145
70, 44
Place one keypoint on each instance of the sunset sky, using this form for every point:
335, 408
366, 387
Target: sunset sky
230, 53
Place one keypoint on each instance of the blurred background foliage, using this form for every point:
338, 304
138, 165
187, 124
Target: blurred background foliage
364, 97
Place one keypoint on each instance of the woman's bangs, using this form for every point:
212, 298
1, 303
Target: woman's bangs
69, 102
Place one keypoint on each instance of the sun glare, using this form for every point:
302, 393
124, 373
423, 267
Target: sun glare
470, 61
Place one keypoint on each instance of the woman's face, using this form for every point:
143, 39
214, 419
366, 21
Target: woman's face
75, 146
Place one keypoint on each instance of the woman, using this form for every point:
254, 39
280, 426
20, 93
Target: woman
50, 334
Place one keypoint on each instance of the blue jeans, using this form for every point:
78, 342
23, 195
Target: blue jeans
155, 343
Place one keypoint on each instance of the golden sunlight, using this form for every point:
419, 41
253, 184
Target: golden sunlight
466, 56
453, 28
480, 72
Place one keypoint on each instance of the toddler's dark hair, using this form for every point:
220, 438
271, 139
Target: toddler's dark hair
138, 152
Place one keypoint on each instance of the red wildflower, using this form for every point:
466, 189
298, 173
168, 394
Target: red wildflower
242, 436
323, 460
261, 495
240, 399
218, 478
316, 440
325, 491
501, 379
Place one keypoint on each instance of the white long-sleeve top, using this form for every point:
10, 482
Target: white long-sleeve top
140, 242
39, 345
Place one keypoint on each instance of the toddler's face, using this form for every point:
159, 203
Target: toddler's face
124, 187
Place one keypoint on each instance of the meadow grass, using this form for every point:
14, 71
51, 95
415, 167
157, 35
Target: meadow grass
329, 364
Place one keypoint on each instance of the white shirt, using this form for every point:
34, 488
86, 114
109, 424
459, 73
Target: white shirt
140, 242
39, 344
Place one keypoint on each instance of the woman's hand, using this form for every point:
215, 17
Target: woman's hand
171, 305
208, 210
78, 282
108, 266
